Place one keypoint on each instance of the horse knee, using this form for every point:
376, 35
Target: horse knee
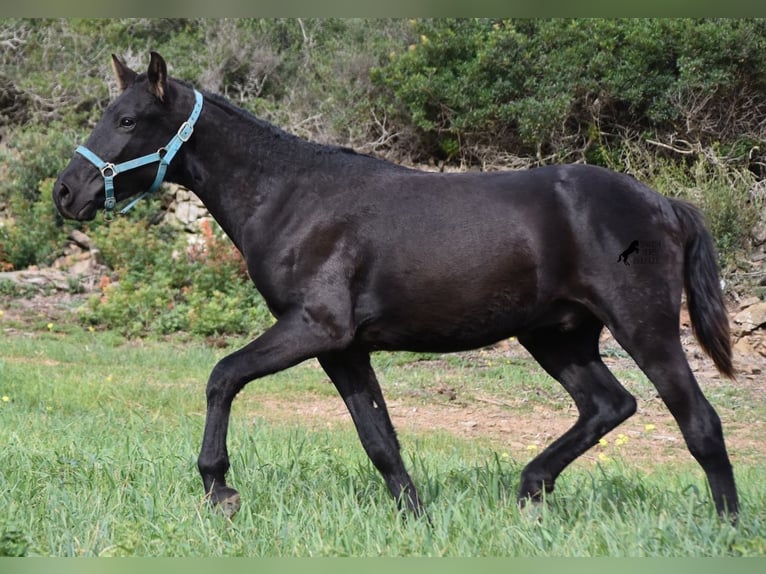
606, 411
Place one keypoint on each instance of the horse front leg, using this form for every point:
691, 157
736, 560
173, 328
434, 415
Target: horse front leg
288, 342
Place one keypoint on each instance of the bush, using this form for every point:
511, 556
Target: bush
556, 88
36, 153
32, 232
162, 284
725, 189
35, 235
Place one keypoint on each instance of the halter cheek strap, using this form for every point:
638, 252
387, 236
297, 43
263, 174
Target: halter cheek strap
163, 156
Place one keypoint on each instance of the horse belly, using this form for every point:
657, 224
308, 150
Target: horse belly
448, 319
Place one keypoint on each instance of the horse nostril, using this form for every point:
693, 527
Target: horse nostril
63, 194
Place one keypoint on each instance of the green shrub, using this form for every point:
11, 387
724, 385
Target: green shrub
32, 155
161, 284
34, 236
32, 233
560, 86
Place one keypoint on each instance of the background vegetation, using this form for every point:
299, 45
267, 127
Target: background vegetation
680, 104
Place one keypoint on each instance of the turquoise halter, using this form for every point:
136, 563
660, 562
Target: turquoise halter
164, 156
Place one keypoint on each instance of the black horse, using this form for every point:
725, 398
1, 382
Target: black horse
354, 254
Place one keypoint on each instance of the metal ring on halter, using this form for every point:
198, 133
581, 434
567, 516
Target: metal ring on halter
110, 167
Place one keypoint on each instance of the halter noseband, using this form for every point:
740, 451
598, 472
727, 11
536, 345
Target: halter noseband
164, 156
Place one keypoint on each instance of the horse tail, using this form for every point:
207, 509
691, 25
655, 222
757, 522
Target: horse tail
710, 322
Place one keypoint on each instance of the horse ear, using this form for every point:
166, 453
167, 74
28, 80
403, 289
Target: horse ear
158, 77
125, 76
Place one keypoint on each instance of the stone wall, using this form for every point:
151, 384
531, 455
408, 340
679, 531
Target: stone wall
183, 208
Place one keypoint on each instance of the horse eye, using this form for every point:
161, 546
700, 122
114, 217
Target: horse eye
127, 122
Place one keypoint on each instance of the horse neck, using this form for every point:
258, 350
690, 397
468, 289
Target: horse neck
235, 162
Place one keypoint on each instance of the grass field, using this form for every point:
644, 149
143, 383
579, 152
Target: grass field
99, 438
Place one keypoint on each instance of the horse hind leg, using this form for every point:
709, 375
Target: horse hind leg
658, 352
572, 358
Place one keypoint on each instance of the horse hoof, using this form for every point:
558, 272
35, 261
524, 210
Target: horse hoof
531, 509
226, 501
230, 506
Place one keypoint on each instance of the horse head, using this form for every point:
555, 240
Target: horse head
139, 129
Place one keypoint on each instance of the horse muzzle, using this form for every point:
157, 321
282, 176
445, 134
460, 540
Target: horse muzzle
66, 201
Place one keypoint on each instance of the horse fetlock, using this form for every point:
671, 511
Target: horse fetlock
213, 469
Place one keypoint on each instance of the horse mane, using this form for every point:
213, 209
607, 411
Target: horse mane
269, 128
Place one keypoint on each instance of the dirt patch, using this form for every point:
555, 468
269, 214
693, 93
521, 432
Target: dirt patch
520, 429
650, 435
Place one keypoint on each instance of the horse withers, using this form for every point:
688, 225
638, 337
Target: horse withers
354, 254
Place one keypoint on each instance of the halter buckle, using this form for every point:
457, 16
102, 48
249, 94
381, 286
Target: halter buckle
185, 131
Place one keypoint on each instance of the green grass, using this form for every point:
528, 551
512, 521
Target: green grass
99, 438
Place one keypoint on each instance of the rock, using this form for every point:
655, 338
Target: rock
98, 257
684, 319
80, 239
748, 302
182, 195
750, 319
187, 213
183, 209
82, 267
758, 234
742, 348
42, 278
